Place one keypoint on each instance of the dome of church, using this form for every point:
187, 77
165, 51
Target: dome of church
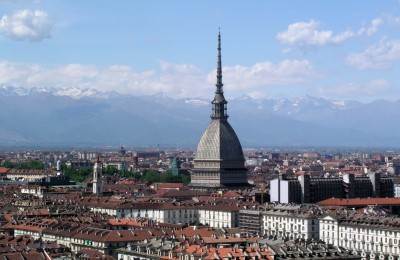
219, 142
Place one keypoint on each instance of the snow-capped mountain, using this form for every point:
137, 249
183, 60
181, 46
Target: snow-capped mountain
9, 91
73, 92
292, 106
73, 115
197, 102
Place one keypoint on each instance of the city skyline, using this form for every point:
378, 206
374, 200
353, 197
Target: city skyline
271, 49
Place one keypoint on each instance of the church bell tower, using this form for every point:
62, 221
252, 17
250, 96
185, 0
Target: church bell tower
98, 177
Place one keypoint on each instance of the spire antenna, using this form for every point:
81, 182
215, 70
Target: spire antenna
219, 107
219, 67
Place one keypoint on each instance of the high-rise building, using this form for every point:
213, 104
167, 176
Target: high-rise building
307, 189
219, 160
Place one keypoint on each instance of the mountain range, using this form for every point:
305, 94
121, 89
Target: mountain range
88, 117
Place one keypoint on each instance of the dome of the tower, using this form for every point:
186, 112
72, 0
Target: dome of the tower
219, 142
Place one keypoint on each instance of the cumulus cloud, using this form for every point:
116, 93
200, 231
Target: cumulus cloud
263, 74
377, 56
375, 23
175, 80
26, 25
375, 88
307, 34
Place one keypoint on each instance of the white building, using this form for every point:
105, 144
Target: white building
371, 236
215, 215
219, 218
291, 221
35, 190
396, 190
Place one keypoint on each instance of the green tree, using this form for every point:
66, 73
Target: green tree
110, 170
151, 176
185, 176
168, 176
7, 164
31, 165
77, 175
36, 165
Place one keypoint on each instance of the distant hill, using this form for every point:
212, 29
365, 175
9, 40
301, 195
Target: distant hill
68, 117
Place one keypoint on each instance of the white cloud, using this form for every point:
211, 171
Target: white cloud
392, 20
375, 23
373, 27
26, 25
307, 34
377, 56
175, 80
375, 88
264, 74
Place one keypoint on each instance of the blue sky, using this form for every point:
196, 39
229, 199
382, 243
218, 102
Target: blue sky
270, 49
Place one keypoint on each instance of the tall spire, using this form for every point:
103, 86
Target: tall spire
219, 102
219, 67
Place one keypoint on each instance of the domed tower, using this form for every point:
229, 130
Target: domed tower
219, 160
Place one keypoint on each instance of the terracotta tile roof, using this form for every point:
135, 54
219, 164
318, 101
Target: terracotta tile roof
232, 194
4, 170
360, 202
32, 255
223, 240
13, 256
159, 185
64, 228
105, 235
38, 212
161, 192
127, 181
127, 222
185, 193
192, 231
226, 253
92, 254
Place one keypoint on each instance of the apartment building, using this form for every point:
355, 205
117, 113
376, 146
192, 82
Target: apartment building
370, 236
307, 189
291, 221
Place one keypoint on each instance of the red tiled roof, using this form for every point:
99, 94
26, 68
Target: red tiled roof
92, 254
232, 194
126, 222
192, 231
4, 170
360, 202
168, 185
105, 235
161, 192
